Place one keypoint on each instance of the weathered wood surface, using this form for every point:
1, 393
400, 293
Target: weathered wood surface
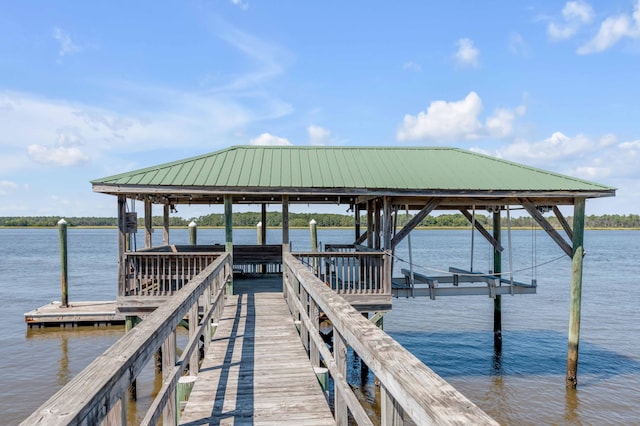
424, 396
256, 370
76, 313
89, 396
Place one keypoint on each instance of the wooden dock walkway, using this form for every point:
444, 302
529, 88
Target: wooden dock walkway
256, 370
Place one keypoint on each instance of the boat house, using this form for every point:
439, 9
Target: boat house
377, 181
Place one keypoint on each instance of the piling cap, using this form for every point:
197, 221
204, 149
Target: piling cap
62, 222
192, 224
313, 222
259, 223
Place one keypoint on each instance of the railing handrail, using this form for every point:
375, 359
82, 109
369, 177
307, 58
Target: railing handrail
88, 397
423, 395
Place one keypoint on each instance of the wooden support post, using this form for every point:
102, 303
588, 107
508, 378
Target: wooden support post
285, 219
387, 224
370, 224
64, 276
263, 220
129, 323
193, 233
148, 223
228, 234
165, 225
314, 315
497, 270
169, 414
378, 224
117, 416
122, 235
340, 357
259, 234
576, 292
391, 412
193, 328
313, 230
356, 213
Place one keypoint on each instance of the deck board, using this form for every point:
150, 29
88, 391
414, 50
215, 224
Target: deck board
77, 313
256, 370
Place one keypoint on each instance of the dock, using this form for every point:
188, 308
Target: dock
96, 313
256, 370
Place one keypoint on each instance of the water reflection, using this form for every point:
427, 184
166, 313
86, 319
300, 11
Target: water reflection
64, 374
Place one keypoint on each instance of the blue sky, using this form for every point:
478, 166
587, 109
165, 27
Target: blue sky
90, 89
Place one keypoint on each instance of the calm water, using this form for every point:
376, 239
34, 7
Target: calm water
524, 385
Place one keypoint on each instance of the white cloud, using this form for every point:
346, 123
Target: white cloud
270, 60
500, 124
57, 155
7, 187
517, 45
67, 46
242, 5
458, 120
269, 139
557, 146
319, 135
467, 54
575, 14
411, 66
176, 117
612, 30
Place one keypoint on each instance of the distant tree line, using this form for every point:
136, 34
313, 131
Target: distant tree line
297, 220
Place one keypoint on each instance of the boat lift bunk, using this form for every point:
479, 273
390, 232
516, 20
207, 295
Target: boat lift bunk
460, 282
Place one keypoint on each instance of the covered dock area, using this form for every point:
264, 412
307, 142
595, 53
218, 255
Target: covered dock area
377, 184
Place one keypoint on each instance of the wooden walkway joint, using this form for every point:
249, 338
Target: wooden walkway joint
256, 370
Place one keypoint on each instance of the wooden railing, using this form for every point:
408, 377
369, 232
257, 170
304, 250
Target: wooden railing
161, 271
153, 273
410, 391
98, 393
350, 272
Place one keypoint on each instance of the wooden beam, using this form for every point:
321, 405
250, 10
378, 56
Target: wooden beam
497, 270
361, 238
415, 221
542, 221
356, 213
495, 243
563, 222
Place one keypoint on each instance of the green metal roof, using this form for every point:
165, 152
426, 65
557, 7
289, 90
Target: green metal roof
355, 168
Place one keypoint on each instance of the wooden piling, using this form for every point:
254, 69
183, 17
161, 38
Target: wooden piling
193, 233
228, 234
576, 292
64, 283
313, 229
497, 302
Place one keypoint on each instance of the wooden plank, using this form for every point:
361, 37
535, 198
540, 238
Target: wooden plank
256, 370
77, 313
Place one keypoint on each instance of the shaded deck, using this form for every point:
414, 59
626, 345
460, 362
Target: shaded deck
256, 370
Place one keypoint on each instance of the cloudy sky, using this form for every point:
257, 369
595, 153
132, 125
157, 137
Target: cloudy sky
90, 89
